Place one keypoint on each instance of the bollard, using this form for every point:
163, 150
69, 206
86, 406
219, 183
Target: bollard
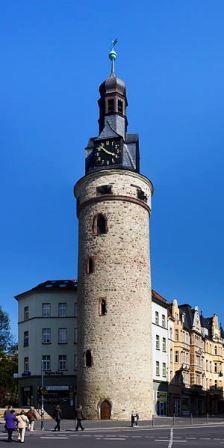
42, 420
207, 418
152, 421
173, 419
191, 419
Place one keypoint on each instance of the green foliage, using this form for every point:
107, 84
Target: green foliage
5, 334
8, 362
8, 385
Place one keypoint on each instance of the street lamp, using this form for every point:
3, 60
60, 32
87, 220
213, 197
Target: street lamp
42, 396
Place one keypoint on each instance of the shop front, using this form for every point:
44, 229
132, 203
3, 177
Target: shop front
160, 390
57, 389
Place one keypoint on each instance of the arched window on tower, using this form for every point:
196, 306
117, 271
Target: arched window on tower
110, 105
102, 307
120, 107
88, 358
99, 224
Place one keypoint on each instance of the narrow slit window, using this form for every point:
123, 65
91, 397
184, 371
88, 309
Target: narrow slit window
90, 265
102, 307
89, 360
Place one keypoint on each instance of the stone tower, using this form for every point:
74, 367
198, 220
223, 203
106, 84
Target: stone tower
114, 282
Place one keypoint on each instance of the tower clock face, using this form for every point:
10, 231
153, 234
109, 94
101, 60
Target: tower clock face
108, 152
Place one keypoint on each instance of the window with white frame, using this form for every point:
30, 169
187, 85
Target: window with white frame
164, 369
46, 310
46, 362
164, 344
163, 321
46, 335
62, 309
26, 364
62, 336
75, 335
157, 368
156, 318
157, 342
62, 362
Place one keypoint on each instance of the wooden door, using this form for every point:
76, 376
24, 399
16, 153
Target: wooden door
105, 410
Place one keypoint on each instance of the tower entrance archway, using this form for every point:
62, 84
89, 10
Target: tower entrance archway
105, 410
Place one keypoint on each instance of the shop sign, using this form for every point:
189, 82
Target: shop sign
57, 388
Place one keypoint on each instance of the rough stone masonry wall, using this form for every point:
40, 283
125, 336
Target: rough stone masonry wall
120, 341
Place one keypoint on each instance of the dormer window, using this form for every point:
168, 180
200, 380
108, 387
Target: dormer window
110, 105
120, 107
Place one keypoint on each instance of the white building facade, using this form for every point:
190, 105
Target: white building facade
47, 337
160, 353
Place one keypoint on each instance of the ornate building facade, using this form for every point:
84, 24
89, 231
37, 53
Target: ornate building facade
196, 362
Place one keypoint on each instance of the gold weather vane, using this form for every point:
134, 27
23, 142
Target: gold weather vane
113, 57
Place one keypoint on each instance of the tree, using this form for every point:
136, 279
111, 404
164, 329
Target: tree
8, 385
8, 361
5, 334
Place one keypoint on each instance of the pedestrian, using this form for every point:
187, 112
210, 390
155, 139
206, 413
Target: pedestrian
7, 411
57, 416
23, 421
31, 417
10, 423
79, 418
132, 419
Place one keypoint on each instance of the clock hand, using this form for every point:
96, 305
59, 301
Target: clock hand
108, 152
101, 147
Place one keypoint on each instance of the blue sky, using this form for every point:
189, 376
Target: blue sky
53, 58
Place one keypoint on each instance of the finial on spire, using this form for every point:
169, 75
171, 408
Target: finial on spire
113, 57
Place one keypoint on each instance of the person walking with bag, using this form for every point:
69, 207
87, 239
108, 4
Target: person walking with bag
57, 416
31, 417
10, 423
23, 421
79, 418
